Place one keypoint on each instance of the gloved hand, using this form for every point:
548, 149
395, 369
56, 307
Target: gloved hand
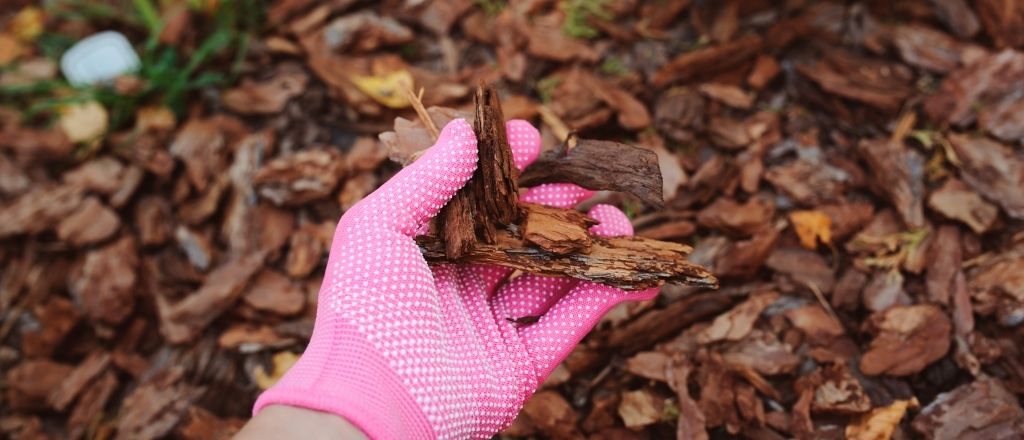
405, 350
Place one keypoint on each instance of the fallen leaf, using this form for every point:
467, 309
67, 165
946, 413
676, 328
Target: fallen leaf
83, 122
812, 227
388, 89
10, 49
282, 362
27, 24
154, 118
880, 423
639, 408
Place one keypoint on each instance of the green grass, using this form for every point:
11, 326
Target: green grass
169, 74
491, 7
545, 87
578, 14
614, 67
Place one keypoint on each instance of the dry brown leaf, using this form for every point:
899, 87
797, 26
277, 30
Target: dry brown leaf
880, 423
812, 227
282, 362
10, 49
639, 408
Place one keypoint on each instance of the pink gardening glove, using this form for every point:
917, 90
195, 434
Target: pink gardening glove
404, 350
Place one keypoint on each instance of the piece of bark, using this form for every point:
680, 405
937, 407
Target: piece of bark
249, 338
679, 113
803, 266
39, 209
30, 382
736, 219
91, 404
738, 322
1003, 21
899, 173
266, 97
766, 68
691, 422
980, 410
729, 95
91, 223
954, 200
273, 292
556, 230
57, 317
600, 165
659, 324
153, 220
183, 321
92, 366
306, 248
984, 91
155, 407
200, 424
490, 198
104, 282
944, 264
629, 263
993, 170
929, 49
299, 178
958, 16
908, 339
839, 392
550, 412
876, 83
102, 175
707, 61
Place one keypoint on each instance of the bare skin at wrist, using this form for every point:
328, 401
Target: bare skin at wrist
284, 422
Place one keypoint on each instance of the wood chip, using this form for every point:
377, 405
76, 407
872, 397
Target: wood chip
907, 339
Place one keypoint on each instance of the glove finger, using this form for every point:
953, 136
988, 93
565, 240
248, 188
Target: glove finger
530, 295
558, 195
414, 195
571, 317
613, 222
524, 140
533, 295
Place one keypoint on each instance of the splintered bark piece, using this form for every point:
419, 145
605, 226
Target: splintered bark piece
490, 199
485, 223
629, 263
600, 165
557, 230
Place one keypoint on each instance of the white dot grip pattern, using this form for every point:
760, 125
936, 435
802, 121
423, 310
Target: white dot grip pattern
405, 350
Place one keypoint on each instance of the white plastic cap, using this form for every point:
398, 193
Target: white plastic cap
98, 58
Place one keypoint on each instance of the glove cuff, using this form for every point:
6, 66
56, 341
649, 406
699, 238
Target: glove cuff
342, 373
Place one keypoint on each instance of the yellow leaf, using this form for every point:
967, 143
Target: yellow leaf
387, 89
10, 49
282, 362
83, 122
27, 24
879, 423
812, 226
